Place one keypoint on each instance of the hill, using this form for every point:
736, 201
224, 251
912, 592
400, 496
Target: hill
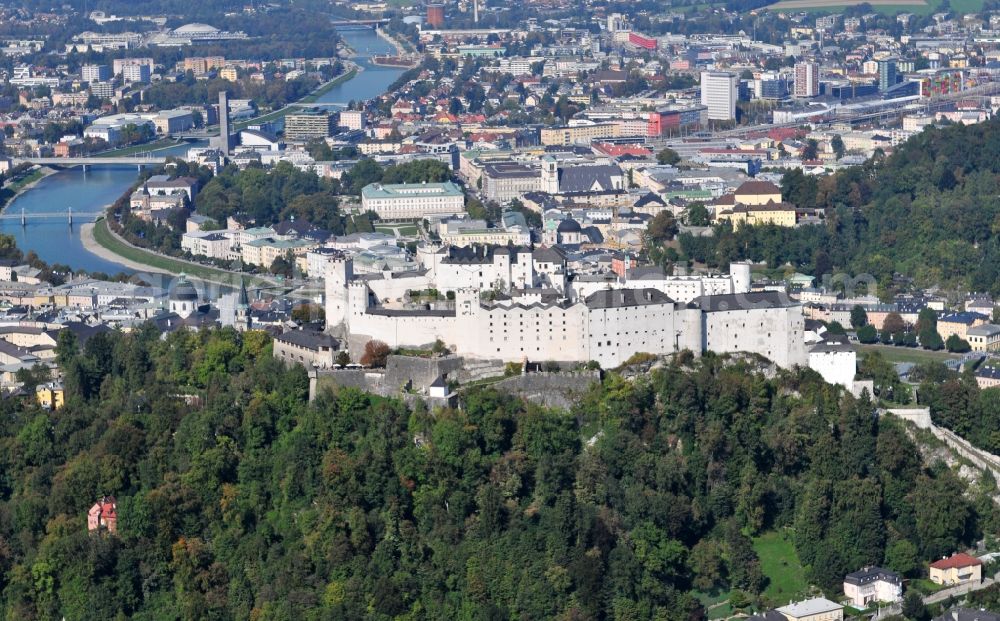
238, 499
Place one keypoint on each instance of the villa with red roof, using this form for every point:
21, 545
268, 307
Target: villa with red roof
103, 515
956, 569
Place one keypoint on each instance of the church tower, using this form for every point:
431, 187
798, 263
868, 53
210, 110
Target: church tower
242, 321
550, 175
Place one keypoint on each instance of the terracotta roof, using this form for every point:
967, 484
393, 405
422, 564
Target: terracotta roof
954, 561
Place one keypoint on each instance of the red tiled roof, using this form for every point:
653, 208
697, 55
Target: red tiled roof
955, 561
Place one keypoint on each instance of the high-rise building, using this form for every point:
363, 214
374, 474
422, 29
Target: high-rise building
225, 139
95, 73
136, 73
435, 15
617, 23
307, 125
806, 79
718, 93
886, 74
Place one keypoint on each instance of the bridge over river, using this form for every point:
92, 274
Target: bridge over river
68, 215
138, 160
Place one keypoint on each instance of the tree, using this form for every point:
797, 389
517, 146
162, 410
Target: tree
892, 324
867, 334
956, 344
343, 358
662, 227
926, 320
930, 339
668, 157
375, 355
811, 150
835, 328
837, 144
913, 606
858, 316
697, 214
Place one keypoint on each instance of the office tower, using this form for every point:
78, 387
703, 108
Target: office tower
225, 139
718, 94
95, 73
886, 74
806, 79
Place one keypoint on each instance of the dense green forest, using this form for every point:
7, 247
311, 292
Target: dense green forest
930, 211
251, 502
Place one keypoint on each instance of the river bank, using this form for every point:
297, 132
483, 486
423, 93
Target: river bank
90, 245
113, 247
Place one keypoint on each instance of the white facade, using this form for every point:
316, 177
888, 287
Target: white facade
718, 94
836, 362
872, 584
413, 201
609, 324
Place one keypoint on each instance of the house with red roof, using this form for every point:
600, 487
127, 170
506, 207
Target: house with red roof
103, 515
957, 569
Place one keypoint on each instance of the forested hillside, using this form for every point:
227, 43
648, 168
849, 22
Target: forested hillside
256, 504
930, 211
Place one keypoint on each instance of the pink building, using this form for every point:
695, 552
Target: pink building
104, 514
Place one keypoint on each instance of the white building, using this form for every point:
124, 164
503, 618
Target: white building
718, 94
413, 201
872, 584
535, 317
835, 361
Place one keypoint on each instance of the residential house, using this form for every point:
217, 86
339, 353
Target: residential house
872, 584
305, 347
817, 609
985, 337
103, 515
956, 569
50, 396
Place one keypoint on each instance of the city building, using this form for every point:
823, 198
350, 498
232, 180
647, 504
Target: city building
719, 91
136, 73
307, 125
887, 76
959, 324
353, 120
413, 201
984, 337
435, 15
806, 79
872, 585
95, 73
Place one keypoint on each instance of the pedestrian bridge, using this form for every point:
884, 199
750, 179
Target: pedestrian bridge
68, 215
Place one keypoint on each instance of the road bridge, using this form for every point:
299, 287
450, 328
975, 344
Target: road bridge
138, 161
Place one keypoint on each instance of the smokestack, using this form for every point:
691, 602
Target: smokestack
224, 138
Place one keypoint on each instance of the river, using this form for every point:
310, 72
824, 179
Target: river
57, 242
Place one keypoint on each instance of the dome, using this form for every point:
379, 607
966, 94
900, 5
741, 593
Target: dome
569, 225
196, 28
184, 291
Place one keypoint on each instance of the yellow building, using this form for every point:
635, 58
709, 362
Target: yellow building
956, 569
758, 193
985, 337
50, 396
959, 324
228, 73
779, 214
569, 135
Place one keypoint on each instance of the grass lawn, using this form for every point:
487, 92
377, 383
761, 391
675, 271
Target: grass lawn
396, 229
720, 612
139, 148
104, 237
31, 177
781, 565
925, 586
906, 354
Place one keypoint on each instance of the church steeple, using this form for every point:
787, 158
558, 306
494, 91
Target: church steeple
242, 320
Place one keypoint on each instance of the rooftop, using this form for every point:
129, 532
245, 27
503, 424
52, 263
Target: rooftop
809, 607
